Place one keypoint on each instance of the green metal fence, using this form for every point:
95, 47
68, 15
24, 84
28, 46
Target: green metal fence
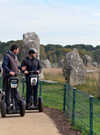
96, 116
83, 110
53, 94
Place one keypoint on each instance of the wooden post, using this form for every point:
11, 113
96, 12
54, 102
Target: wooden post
99, 85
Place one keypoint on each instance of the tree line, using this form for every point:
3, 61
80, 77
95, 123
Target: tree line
55, 52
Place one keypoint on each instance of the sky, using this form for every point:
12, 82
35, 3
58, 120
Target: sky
55, 21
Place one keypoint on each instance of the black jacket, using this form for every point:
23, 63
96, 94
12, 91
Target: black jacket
32, 64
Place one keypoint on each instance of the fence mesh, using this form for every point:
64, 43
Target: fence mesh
69, 100
96, 116
81, 108
82, 111
53, 94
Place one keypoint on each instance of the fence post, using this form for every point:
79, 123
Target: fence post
73, 106
91, 114
64, 103
68, 100
40, 93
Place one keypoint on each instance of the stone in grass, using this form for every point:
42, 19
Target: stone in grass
73, 68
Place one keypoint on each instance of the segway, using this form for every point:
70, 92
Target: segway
33, 79
13, 85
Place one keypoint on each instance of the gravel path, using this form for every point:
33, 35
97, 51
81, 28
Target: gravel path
31, 124
51, 122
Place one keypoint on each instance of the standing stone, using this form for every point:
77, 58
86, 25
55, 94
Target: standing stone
46, 63
61, 62
87, 60
74, 69
30, 40
95, 64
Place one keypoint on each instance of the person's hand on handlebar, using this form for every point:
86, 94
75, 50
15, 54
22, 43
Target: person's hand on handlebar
26, 72
38, 71
12, 73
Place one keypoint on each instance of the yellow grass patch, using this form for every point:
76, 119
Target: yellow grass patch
54, 74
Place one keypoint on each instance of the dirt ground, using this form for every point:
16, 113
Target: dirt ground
61, 121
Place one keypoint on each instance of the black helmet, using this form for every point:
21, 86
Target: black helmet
32, 50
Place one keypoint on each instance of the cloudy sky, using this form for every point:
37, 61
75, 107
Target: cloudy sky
55, 21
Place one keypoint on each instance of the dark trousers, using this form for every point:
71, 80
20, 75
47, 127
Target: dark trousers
31, 92
8, 93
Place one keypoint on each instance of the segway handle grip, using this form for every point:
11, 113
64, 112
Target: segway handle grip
33, 72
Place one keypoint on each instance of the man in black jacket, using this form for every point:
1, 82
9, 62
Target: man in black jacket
31, 63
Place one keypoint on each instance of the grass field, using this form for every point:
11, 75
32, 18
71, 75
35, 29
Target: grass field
53, 97
90, 86
54, 74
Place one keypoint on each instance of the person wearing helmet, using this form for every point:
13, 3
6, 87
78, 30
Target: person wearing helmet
31, 63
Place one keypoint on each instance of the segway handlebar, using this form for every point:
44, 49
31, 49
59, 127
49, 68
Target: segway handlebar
33, 72
16, 74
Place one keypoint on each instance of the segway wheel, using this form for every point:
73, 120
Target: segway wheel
3, 109
40, 104
22, 109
